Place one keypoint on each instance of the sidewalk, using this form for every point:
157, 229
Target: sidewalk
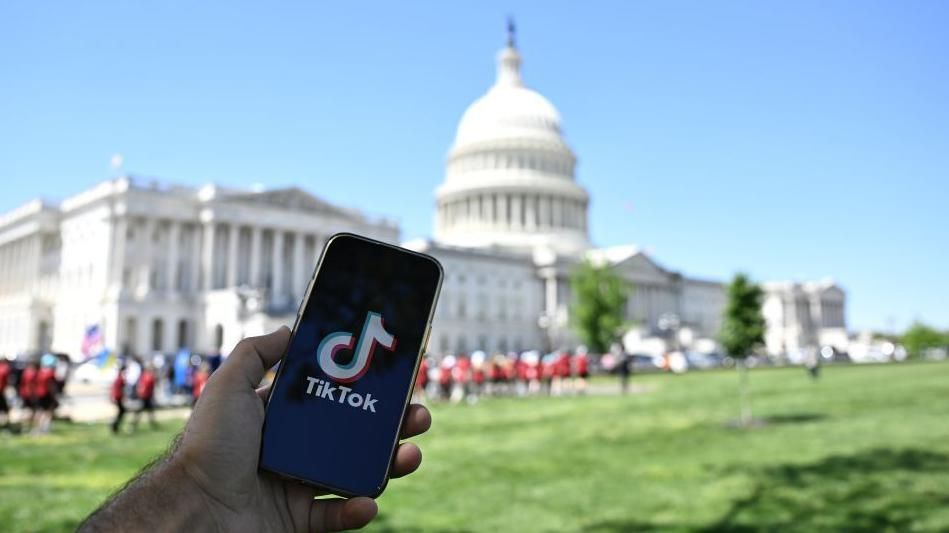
89, 402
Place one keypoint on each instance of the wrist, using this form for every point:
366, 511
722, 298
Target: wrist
144, 504
194, 504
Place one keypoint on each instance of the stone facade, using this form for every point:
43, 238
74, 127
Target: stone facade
159, 268
800, 316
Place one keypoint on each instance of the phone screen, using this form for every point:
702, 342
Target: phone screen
336, 406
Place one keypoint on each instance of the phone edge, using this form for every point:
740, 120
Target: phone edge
408, 394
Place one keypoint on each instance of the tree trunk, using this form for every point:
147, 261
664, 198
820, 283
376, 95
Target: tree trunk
744, 398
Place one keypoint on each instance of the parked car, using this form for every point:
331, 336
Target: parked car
704, 361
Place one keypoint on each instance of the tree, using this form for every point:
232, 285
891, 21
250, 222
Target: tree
599, 299
742, 331
920, 337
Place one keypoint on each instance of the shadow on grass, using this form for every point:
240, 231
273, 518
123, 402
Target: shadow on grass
874, 490
793, 418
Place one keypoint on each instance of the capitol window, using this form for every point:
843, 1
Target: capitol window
182, 333
158, 331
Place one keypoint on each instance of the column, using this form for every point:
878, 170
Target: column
556, 213
298, 282
207, 256
503, 221
4, 268
33, 263
233, 238
530, 212
171, 265
516, 207
468, 209
490, 217
544, 211
14, 265
145, 269
253, 276
550, 284
276, 272
117, 265
481, 210
194, 277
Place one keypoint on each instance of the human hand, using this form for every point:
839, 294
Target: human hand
211, 480
221, 444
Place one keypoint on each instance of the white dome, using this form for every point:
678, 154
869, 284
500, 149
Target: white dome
509, 179
508, 111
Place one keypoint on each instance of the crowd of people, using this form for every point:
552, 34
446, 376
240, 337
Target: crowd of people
137, 384
37, 388
466, 377
141, 385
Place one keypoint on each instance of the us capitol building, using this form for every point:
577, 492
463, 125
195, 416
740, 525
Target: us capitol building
158, 268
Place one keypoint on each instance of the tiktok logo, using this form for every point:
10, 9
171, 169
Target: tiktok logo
373, 332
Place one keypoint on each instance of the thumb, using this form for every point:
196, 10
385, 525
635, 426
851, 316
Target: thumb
252, 357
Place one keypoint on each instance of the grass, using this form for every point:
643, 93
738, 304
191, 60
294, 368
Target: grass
864, 449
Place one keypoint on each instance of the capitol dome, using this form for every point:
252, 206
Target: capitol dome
509, 178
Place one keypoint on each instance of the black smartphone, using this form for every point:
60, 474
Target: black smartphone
343, 386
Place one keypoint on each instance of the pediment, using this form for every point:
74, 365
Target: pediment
293, 198
639, 267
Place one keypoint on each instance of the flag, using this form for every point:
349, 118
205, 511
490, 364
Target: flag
92, 341
104, 358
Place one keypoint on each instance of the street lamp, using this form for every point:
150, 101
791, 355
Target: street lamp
669, 325
545, 324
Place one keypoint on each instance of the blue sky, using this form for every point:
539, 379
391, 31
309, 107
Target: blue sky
791, 140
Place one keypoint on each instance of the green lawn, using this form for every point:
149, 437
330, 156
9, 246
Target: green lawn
864, 449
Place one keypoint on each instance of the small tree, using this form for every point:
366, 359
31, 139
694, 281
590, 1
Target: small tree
742, 331
599, 298
920, 337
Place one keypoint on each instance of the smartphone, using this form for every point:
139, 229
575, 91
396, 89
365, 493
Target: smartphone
343, 386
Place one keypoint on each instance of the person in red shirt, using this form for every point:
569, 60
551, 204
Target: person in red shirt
198, 382
478, 377
581, 371
532, 365
421, 379
461, 375
145, 388
495, 374
4, 378
520, 373
45, 391
561, 382
117, 395
26, 389
444, 376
